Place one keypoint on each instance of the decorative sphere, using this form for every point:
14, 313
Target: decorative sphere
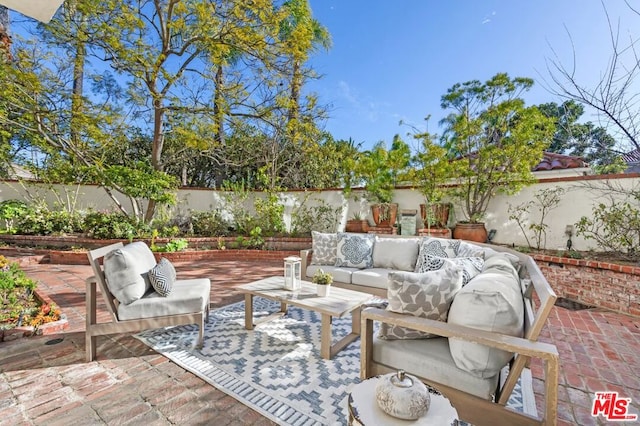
403, 396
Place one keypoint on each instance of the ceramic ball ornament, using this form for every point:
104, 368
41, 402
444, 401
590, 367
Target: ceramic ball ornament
403, 396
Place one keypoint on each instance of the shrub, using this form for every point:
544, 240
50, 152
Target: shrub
103, 225
39, 220
269, 215
179, 244
209, 223
11, 210
322, 218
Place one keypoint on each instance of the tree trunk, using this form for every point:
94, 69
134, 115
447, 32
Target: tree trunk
5, 38
294, 99
77, 103
218, 111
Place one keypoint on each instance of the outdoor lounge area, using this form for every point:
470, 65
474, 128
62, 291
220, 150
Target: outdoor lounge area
46, 380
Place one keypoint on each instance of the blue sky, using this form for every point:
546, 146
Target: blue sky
393, 61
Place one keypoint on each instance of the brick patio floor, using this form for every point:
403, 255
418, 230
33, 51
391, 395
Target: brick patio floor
45, 383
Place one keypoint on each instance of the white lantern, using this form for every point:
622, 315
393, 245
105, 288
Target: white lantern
292, 272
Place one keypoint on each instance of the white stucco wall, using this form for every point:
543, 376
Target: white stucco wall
577, 201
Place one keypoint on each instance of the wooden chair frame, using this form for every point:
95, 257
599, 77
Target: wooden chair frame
116, 326
471, 408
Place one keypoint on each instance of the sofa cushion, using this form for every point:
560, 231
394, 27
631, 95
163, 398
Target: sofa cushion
466, 249
470, 266
431, 358
372, 277
188, 296
339, 274
162, 276
439, 247
515, 260
492, 301
425, 295
502, 263
324, 248
395, 253
126, 271
355, 250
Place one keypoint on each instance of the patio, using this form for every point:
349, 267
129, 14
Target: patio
46, 382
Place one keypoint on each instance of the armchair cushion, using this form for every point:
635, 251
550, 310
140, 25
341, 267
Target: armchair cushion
426, 295
493, 302
126, 271
355, 250
162, 276
396, 253
324, 248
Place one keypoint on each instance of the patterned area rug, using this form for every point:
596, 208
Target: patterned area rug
276, 369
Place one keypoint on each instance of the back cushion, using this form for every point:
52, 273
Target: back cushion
126, 271
492, 301
396, 253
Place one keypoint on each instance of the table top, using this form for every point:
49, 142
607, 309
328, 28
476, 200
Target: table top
339, 303
364, 408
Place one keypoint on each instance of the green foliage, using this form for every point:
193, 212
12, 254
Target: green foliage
179, 244
269, 214
614, 227
617, 165
545, 200
430, 168
322, 278
10, 210
16, 290
380, 169
209, 223
108, 225
494, 139
40, 220
321, 218
255, 238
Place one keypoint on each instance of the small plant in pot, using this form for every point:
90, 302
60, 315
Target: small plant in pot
495, 141
323, 282
357, 223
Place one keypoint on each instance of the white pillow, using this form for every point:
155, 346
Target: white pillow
493, 302
439, 247
324, 248
355, 250
470, 266
126, 271
426, 295
396, 253
162, 277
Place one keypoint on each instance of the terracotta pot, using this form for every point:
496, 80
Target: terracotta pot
360, 226
384, 215
439, 214
470, 232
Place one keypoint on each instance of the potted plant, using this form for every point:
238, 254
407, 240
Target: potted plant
357, 223
323, 282
380, 169
430, 171
495, 141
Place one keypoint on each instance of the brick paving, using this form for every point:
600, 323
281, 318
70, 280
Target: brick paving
44, 382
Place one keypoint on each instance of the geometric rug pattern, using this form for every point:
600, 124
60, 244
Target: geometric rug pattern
276, 369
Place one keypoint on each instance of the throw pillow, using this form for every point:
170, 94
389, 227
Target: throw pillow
470, 250
470, 266
427, 295
355, 250
439, 247
126, 271
396, 253
324, 248
162, 277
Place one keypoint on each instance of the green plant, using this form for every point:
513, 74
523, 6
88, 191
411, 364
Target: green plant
430, 168
545, 200
108, 225
357, 216
269, 214
209, 223
322, 218
10, 210
221, 244
40, 220
255, 238
179, 244
322, 278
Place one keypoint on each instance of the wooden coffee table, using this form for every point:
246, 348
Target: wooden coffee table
338, 304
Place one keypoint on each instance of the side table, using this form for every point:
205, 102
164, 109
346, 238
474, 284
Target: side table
364, 410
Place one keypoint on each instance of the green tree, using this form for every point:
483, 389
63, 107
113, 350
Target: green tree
494, 138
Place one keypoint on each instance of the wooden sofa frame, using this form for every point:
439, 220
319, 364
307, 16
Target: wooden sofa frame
116, 326
471, 408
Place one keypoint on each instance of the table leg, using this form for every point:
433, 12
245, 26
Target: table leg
283, 307
325, 340
248, 311
355, 321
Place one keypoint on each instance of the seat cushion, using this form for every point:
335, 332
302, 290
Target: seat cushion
431, 359
425, 295
187, 296
126, 271
374, 277
324, 248
339, 274
396, 253
355, 250
492, 301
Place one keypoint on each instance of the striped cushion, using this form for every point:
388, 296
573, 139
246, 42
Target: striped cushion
162, 277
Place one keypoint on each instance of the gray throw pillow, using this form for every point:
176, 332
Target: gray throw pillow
162, 277
126, 271
426, 295
355, 250
470, 266
324, 248
439, 247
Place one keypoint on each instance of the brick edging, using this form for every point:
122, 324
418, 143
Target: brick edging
625, 269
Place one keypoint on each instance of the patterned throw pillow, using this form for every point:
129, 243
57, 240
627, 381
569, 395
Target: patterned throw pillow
427, 295
162, 277
471, 266
355, 250
324, 248
438, 247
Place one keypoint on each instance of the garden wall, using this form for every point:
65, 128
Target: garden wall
577, 201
